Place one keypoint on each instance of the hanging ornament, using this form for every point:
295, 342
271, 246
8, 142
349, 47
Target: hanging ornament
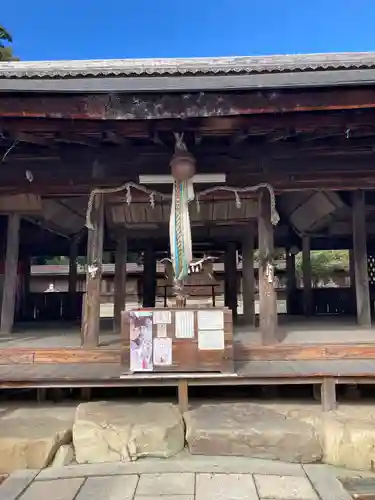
182, 166
183, 170
182, 163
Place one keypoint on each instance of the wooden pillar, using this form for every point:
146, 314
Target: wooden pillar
353, 308
328, 394
8, 305
360, 260
26, 266
149, 277
27, 275
91, 317
267, 292
291, 284
230, 269
73, 277
183, 395
248, 279
120, 280
307, 276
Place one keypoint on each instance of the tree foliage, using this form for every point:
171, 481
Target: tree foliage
6, 52
324, 263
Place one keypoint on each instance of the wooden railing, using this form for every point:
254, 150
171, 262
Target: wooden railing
326, 301
53, 306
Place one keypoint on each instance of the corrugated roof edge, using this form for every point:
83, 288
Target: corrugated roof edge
192, 66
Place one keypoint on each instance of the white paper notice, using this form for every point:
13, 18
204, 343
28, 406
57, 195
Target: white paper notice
162, 351
210, 320
162, 317
184, 324
161, 330
211, 340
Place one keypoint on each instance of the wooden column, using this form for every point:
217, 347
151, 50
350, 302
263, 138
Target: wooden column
353, 307
73, 277
8, 305
360, 260
26, 266
307, 276
91, 317
230, 269
291, 284
120, 280
248, 279
149, 277
267, 292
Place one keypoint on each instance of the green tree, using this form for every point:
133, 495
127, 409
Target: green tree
324, 263
6, 53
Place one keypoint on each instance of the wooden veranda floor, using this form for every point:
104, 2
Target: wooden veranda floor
40, 356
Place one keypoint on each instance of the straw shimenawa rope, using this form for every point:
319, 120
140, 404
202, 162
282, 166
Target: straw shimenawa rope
124, 187
262, 185
152, 194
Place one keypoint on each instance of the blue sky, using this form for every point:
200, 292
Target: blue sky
95, 29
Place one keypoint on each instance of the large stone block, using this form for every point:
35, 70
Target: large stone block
64, 456
347, 434
110, 432
348, 443
30, 437
250, 430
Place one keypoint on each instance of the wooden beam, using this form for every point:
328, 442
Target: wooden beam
11, 270
65, 177
71, 138
360, 260
301, 122
307, 276
267, 292
304, 352
32, 139
181, 105
248, 278
231, 282
120, 280
91, 317
149, 276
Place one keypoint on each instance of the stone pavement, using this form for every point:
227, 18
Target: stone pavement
186, 478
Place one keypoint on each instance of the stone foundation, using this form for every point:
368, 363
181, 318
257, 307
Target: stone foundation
39, 436
250, 430
31, 436
112, 432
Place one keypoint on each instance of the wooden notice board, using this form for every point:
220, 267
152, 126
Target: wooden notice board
177, 340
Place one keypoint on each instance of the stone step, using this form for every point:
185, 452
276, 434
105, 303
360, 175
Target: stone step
37, 436
250, 430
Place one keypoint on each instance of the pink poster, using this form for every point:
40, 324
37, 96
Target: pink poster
141, 341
